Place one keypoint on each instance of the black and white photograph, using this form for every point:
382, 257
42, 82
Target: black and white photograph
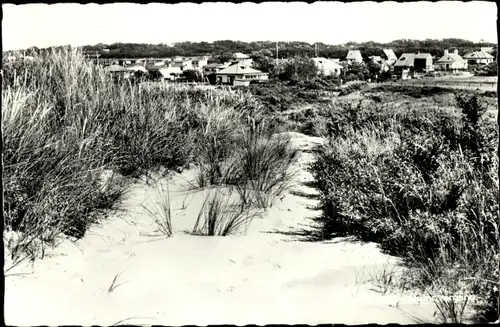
250, 163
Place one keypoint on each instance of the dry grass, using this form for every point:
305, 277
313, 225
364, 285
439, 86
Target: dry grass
160, 210
220, 215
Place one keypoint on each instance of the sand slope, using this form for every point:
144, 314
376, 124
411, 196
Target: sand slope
267, 276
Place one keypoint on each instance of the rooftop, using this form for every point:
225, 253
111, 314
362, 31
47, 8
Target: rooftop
240, 70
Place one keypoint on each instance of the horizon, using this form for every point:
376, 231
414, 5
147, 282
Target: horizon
42, 25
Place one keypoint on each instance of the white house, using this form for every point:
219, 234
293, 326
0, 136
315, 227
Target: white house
327, 67
237, 73
169, 73
479, 57
354, 56
451, 61
182, 64
199, 62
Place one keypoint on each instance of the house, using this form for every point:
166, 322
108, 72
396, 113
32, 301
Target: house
199, 62
213, 68
354, 56
237, 73
488, 49
451, 61
239, 55
182, 63
423, 62
327, 67
420, 62
479, 57
168, 72
390, 56
136, 68
118, 70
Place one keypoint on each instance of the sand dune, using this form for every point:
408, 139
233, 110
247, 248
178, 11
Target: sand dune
269, 275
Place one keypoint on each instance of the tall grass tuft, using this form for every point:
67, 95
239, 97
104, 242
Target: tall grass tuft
221, 216
258, 165
160, 210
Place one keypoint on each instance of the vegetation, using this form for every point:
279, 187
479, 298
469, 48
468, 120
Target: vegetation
161, 211
221, 216
65, 122
423, 181
286, 49
299, 68
490, 69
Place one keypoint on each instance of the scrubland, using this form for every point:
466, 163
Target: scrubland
414, 169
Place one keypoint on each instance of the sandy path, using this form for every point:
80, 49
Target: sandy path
264, 277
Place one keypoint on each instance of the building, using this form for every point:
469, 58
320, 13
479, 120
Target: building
423, 62
420, 62
479, 57
239, 55
136, 68
451, 62
118, 70
182, 63
199, 62
213, 68
235, 74
390, 56
488, 49
168, 73
354, 56
327, 67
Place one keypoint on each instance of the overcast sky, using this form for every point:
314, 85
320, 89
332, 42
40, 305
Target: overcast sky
44, 25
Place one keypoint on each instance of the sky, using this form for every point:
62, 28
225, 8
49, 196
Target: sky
45, 25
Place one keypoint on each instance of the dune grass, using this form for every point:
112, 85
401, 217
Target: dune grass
65, 121
160, 210
222, 215
256, 164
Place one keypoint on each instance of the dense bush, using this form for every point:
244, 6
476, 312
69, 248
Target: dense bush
490, 69
422, 182
299, 68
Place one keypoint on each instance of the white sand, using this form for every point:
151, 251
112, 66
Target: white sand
258, 278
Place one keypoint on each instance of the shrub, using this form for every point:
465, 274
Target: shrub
412, 180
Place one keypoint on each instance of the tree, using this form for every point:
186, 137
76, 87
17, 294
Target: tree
299, 68
224, 57
374, 69
360, 70
262, 60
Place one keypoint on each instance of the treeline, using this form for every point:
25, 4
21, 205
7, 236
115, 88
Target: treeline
285, 49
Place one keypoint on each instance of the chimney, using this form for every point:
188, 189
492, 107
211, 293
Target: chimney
446, 52
456, 51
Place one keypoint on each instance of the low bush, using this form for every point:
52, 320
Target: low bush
423, 183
